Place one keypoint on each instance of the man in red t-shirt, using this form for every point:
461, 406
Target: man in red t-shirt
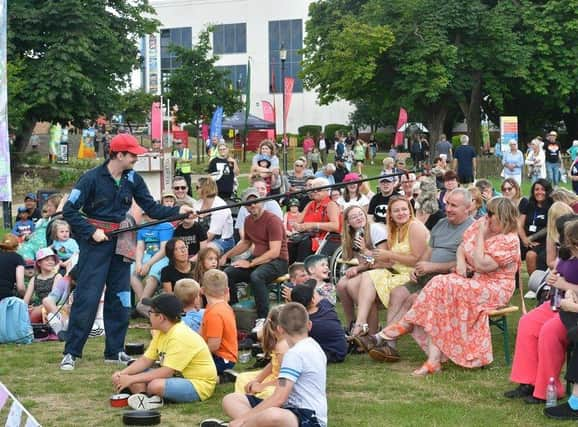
264, 232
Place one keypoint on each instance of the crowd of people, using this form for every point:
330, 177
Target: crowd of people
421, 247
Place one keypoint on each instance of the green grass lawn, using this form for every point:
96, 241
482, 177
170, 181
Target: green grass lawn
360, 391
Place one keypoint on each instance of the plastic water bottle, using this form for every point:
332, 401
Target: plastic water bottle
551, 394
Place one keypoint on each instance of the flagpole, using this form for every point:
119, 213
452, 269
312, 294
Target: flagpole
20, 404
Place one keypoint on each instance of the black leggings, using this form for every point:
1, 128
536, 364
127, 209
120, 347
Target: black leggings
300, 250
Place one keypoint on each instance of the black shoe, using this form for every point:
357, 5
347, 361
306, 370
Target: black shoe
261, 362
561, 412
228, 376
531, 400
523, 390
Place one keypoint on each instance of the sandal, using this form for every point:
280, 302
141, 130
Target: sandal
427, 368
362, 328
396, 330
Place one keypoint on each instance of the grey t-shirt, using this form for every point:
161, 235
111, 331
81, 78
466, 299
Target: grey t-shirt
444, 147
445, 239
305, 364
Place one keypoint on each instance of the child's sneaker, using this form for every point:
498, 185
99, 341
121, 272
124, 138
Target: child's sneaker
212, 422
122, 359
67, 363
141, 401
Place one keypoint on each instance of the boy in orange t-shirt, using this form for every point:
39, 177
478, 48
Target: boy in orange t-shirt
219, 327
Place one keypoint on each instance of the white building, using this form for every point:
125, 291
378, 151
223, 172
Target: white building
245, 30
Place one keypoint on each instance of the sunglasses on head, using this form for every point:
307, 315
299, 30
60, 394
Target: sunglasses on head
184, 187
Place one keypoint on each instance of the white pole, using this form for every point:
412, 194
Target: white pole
20, 404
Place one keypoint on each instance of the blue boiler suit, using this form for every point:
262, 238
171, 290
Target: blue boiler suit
100, 197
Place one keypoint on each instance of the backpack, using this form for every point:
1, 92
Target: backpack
15, 324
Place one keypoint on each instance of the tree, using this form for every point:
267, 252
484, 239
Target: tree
135, 106
197, 86
74, 56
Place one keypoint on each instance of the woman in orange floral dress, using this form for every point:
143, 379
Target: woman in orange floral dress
449, 317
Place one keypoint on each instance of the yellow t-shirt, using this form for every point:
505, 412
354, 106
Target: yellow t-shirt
185, 351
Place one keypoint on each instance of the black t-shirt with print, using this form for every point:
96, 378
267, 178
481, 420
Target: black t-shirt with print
191, 236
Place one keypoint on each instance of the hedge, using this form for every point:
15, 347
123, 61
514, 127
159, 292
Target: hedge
314, 130
331, 128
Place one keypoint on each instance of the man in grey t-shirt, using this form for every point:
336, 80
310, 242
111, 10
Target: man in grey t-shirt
444, 147
439, 258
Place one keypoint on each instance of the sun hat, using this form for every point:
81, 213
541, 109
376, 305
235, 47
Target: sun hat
44, 253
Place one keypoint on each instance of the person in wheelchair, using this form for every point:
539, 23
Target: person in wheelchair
320, 217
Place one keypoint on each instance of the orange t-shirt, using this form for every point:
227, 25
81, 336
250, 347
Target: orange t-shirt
219, 322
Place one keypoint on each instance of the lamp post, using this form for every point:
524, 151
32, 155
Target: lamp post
283, 57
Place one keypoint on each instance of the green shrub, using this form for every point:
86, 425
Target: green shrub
313, 130
67, 177
192, 130
456, 141
331, 128
383, 138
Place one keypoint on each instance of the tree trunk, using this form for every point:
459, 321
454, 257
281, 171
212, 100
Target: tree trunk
472, 112
23, 137
435, 119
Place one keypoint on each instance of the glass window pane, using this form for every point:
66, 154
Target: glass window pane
229, 39
241, 46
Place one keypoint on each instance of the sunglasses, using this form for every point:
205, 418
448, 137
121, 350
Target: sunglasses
298, 166
184, 187
507, 188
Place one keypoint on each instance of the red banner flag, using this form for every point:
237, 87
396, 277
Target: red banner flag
289, 82
402, 120
269, 115
156, 121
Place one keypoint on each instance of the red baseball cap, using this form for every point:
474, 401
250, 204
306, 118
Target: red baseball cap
125, 142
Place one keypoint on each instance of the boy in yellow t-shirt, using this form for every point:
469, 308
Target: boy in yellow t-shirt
187, 372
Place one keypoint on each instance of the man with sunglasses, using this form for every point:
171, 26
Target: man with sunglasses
263, 231
181, 188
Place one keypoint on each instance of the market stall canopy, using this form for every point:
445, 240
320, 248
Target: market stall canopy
237, 121
413, 127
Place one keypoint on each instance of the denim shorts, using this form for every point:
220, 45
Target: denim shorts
155, 270
224, 245
180, 390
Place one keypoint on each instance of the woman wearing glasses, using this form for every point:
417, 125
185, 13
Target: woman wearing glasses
511, 190
449, 318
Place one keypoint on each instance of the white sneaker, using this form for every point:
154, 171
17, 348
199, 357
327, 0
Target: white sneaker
67, 363
530, 295
121, 359
141, 401
258, 326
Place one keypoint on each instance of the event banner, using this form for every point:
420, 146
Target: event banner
288, 87
5, 177
401, 120
269, 115
217, 124
508, 131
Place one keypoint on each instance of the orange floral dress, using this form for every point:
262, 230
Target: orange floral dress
451, 310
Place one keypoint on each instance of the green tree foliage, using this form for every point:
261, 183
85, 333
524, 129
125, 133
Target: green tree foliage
135, 106
434, 53
74, 56
197, 86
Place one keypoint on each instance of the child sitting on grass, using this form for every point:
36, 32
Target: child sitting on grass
317, 267
65, 247
262, 383
41, 284
187, 372
56, 306
219, 327
326, 328
188, 292
300, 397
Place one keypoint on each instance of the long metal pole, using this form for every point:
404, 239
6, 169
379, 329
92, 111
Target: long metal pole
259, 200
284, 140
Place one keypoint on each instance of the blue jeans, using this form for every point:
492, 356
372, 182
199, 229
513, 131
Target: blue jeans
98, 264
553, 173
180, 390
221, 364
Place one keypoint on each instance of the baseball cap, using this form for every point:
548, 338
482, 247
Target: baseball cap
293, 202
166, 304
44, 253
22, 209
125, 142
250, 192
387, 178
31, 196
351, 176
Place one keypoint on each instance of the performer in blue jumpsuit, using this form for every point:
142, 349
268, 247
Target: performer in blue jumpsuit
105, 195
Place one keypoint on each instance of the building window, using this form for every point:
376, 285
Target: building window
290, 34
230, 38
182, 37
236, 74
